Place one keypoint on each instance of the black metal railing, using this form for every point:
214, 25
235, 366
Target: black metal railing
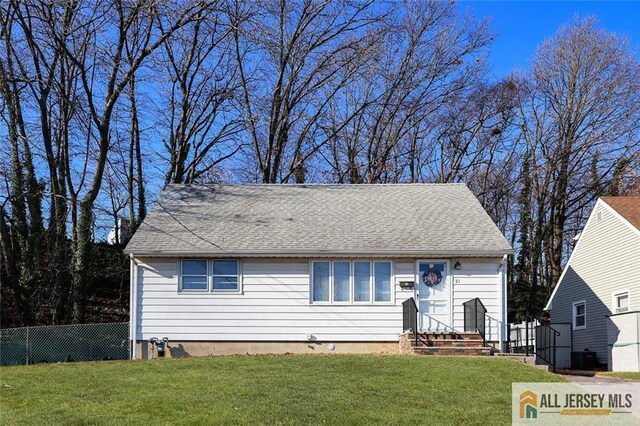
475, 318
410, 317
546, 344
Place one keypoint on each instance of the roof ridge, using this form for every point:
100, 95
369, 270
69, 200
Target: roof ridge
321, 184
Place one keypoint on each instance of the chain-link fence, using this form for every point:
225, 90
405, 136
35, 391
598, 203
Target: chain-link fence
64, 343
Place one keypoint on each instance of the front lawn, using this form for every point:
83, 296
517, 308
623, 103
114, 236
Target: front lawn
290, 389
621, 375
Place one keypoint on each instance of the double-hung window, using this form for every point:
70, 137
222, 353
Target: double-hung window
224, 275
620, 302
580, 315
202, 275
194, 275
358, 281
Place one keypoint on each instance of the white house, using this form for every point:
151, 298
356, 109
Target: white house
220, 269
597, 299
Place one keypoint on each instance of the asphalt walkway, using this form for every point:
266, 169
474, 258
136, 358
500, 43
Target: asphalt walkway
598, 384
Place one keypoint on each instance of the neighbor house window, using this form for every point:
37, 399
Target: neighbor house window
194, 276
225, 275
579, 315
620, 302
351, 282
202, 275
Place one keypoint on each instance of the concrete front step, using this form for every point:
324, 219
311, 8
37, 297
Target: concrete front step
448, 343
453, 350
531, 360
449, 336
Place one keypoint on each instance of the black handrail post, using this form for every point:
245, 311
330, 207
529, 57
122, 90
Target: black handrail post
554, 352
475, 302
526, 338
415, 322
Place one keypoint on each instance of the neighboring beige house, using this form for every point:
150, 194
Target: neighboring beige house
598, 294
312, 268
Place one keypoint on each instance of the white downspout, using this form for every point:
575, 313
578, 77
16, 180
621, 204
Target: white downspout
133, 284
503, 316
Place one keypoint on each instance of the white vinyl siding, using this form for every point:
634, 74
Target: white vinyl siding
274, 306
275, 303
478, 278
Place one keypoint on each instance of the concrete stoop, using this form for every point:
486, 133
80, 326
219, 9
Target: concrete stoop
530, 360
465, 344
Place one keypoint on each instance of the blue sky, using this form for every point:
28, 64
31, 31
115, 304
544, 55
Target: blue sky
523, 25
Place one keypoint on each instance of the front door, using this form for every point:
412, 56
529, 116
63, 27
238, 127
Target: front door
433, 294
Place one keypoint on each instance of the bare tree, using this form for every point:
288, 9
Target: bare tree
294, 58
580, 118
202, 123
144, 28
429, 56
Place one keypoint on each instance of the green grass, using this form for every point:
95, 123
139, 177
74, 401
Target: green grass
290, 389
621, 375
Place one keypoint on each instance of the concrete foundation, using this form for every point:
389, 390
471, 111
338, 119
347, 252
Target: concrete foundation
144, 350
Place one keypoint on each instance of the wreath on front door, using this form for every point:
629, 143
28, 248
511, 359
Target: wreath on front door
432, 277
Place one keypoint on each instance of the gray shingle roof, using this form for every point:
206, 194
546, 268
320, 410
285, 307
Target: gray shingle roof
303, 220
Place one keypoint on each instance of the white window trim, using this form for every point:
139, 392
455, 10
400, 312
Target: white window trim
573, 315
614, 297
210, 290
211, 276
180, 274
320, 302
352, 301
